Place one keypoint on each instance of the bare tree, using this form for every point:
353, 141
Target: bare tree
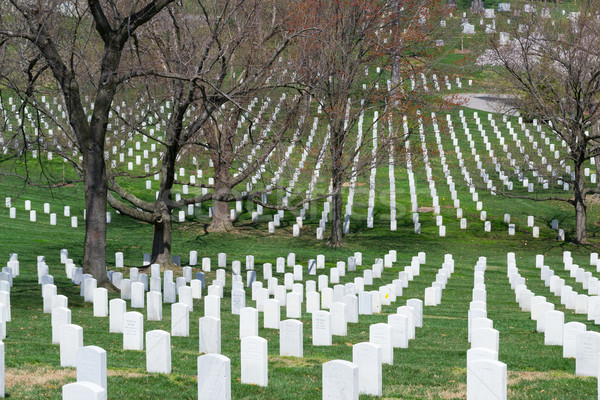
216, 60
553, 68
85, 56
348, 38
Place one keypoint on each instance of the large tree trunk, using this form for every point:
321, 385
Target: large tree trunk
336, 239
337, 146
581, 217
597, 160
94, 252
580, 207
161, 241
477, 6
221, 221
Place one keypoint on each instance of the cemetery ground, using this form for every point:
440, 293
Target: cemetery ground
433, 366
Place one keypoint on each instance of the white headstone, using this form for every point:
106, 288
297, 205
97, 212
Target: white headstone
486, 379
254, 361
91, 365
158, 351
214, 377
60, 316
133, 331
340, 380
290, 338
248, 322
367, 356
71, 339
83, 390
209, 333
587, 353
180, 320
321, 328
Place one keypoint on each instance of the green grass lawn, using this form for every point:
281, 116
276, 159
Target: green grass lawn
434, 365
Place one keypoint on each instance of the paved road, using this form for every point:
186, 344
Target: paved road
487, 102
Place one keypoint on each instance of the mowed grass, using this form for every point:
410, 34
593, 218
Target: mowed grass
434, 365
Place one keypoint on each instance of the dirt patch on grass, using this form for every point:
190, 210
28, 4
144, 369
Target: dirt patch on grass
441, 317
514, 377
42, 376
292, 362
457, 391
347, 184
425, 209
36, 376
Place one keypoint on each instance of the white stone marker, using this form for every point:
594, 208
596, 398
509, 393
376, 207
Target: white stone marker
400, 330
60, 316
154, 306
212, 306
554, 325
137, 295
340, 380
117, 308
570, 332
365, 303
209, 335
486, 379
214, 377
91, 365
351, 302
381, 334
158, 352
196, 285
367, 356
89, 285
479, 353
133, 331
587, 353
238, 301
180, 320
100, 297
71, 339
293, 305
418, 307
321, 328
83, 390
254, 360
339, 324
248, 322
272, 314
408, 313
185, 296
2, 371
487, 338
290, 338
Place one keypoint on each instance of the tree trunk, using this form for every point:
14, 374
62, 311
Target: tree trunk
337, 146
581, 217
477, 6
580, 206
161, 242
336, 239
395, 76
597, 160
221, 221
94, 254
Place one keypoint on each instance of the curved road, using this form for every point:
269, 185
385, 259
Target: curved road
496, 103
